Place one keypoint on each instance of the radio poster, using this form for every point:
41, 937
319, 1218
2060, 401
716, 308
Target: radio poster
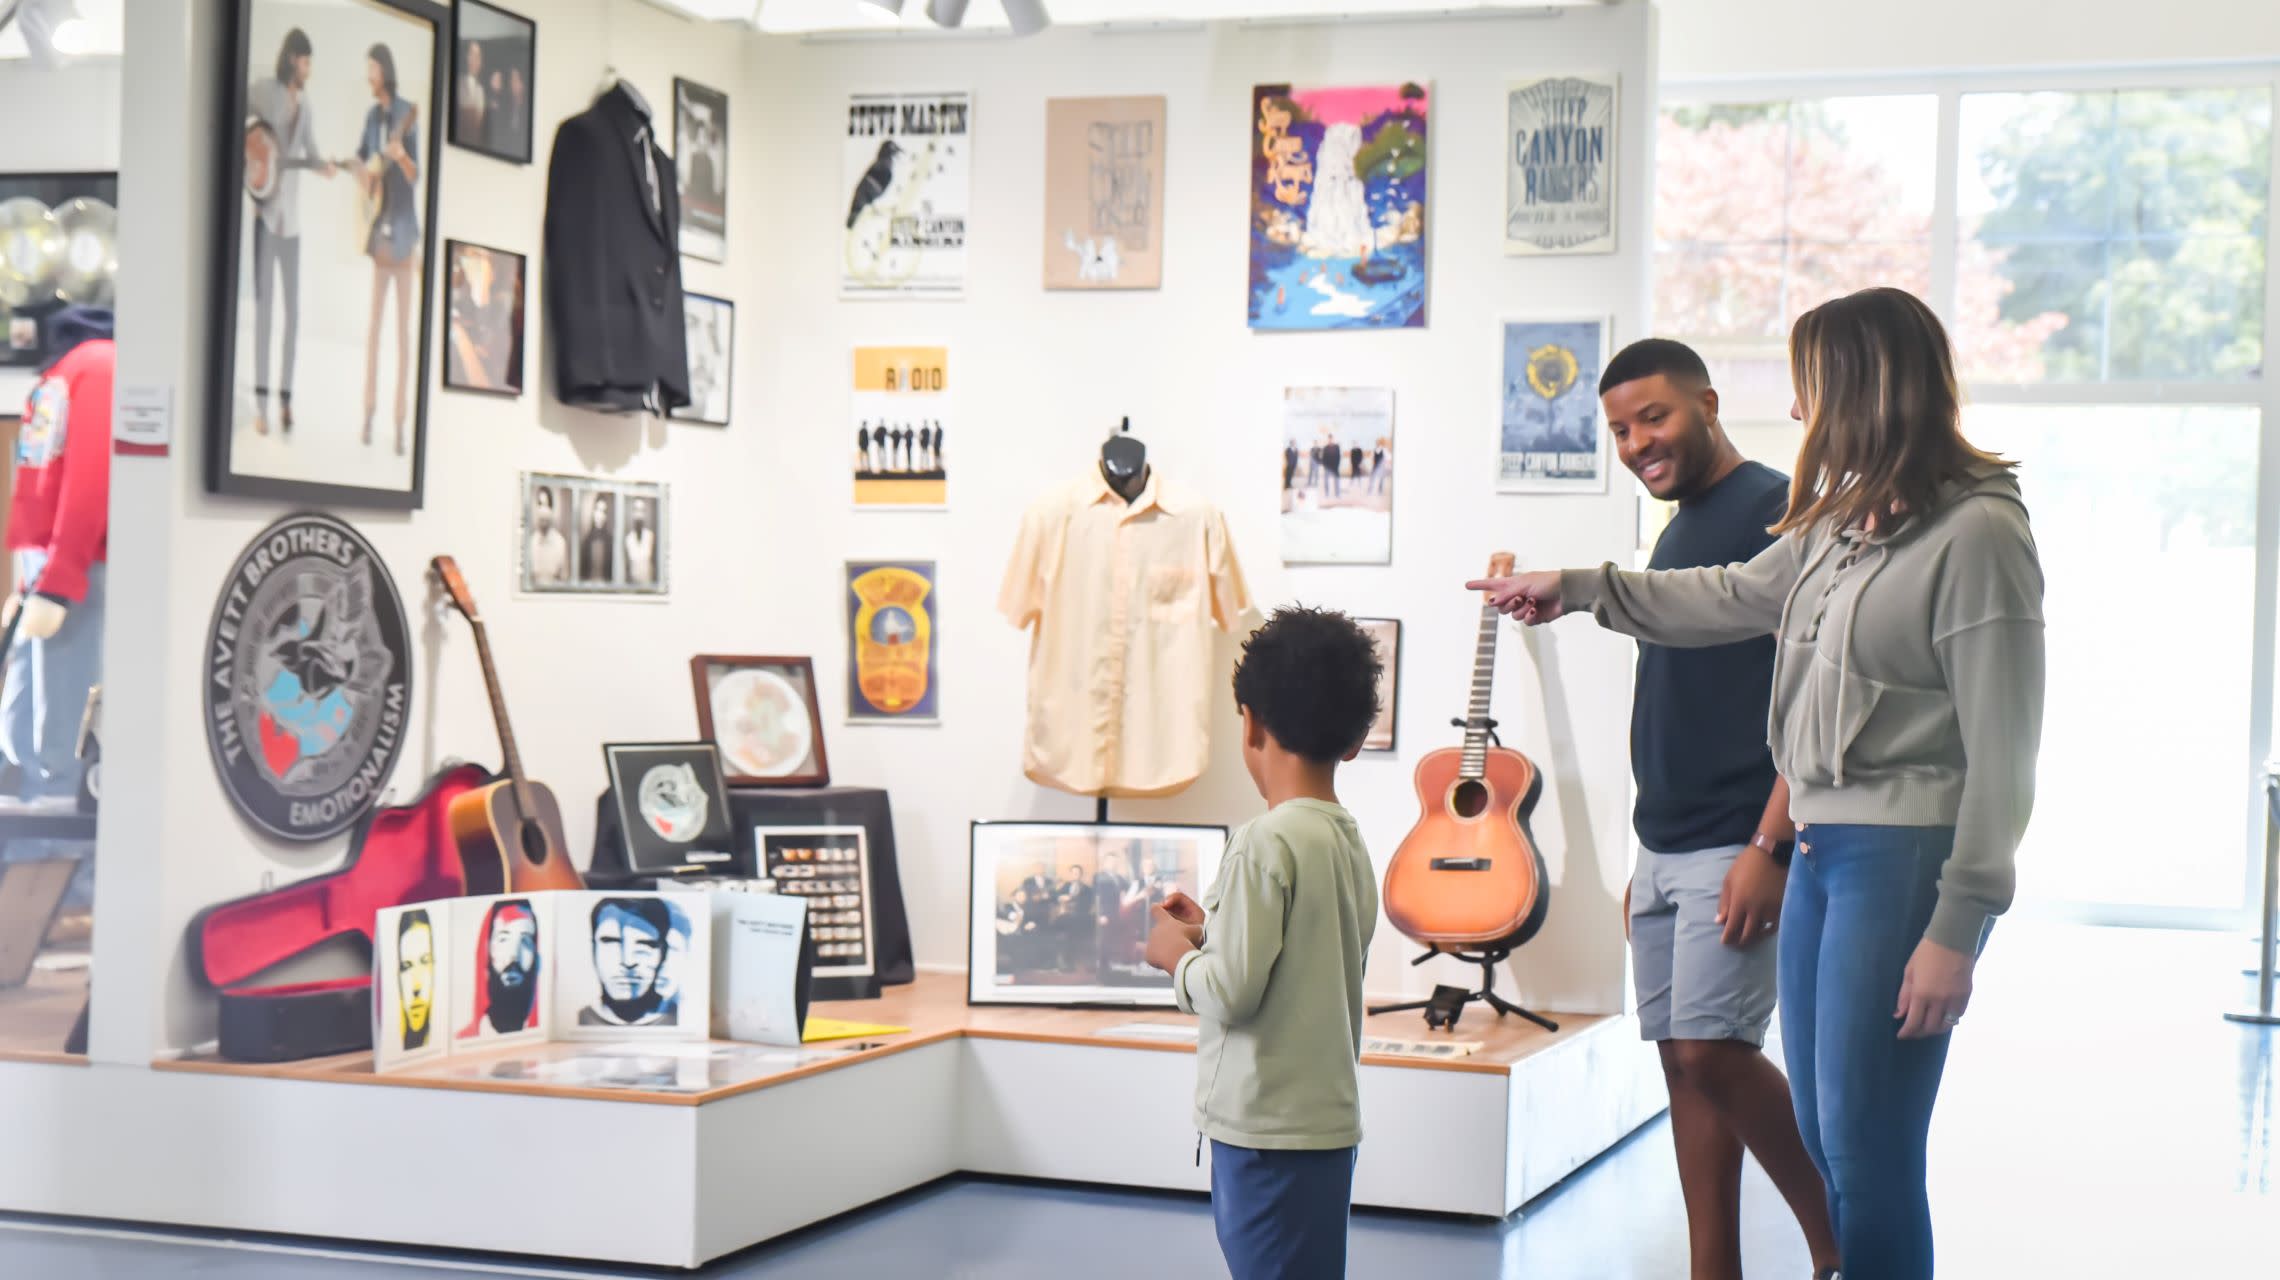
901, 414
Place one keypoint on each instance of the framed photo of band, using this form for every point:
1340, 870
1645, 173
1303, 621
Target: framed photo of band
492, 80
327, 244
1060, 909
764, 716
585, 536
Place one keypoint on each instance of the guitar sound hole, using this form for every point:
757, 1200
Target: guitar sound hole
534, 842
1470, 799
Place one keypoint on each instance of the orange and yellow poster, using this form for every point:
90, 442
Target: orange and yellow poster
891, 668
901, 416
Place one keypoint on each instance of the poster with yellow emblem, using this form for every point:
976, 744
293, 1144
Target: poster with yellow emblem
1551, 441
892, 615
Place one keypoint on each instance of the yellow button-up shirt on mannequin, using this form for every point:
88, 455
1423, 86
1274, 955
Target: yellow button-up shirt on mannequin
1124, 598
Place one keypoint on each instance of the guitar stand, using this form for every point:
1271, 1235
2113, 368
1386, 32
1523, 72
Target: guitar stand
1447, 1003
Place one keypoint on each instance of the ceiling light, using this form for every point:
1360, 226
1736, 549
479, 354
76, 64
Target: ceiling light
946, 13
1028, 17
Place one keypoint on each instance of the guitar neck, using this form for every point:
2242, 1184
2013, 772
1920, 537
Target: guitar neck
499, 716
1475, 764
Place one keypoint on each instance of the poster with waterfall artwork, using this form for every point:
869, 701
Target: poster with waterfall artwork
1559, 166
1338, 207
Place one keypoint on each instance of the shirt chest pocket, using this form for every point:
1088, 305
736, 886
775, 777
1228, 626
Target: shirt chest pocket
1174, 593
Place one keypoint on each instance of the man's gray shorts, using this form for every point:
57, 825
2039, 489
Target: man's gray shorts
1691, 985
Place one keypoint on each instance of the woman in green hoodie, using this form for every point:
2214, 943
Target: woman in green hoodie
1907, 710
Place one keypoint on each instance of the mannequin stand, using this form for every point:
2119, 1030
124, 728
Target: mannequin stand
1447, 1004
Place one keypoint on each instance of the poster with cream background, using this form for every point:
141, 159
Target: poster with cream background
411, 1002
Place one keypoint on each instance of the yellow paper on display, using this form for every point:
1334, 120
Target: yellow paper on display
834, 1029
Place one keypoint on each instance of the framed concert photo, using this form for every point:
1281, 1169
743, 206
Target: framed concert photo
483, 339
764, 716
491, 81
1385, 633
327, 246
672, 805
1059, 910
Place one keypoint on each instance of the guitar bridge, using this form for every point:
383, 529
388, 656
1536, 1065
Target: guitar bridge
1459, 864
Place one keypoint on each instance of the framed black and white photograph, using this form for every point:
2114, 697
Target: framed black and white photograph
1060, 909
700, 156
1385, 633
764, 716
491, 81
672, 805
712, 358
327, 248
586, 536
483, 343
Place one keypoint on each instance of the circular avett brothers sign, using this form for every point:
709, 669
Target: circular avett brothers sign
308, 678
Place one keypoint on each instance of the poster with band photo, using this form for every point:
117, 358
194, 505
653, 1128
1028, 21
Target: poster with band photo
585, 536
322, 324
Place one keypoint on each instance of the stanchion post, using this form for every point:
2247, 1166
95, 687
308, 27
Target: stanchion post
2268, 917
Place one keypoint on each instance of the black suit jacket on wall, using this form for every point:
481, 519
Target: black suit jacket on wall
613, 264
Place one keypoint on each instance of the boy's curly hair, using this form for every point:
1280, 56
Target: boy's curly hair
1310, 676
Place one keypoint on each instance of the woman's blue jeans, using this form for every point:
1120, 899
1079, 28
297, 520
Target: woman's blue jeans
1858, 902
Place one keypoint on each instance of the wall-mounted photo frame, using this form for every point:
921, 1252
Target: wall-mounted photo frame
1041, 892
585, 536
493, 55
1385, 633
700, 163
764, 715
672, 805
327, 251
483, 341
712, 359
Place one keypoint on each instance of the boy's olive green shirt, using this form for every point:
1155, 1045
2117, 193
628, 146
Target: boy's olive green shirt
1278, 982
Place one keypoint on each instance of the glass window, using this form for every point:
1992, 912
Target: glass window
1764, 210
2112, 236
2145, 520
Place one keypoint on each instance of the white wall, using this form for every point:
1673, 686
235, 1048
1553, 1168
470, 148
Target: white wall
761, 510
1043, 376
1736, 39
576, 674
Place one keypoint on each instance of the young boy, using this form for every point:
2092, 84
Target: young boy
1272, 960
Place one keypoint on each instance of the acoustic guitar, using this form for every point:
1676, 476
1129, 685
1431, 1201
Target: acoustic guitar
509, 833
1469, 874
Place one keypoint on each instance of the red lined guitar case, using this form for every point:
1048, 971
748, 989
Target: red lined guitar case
399, 855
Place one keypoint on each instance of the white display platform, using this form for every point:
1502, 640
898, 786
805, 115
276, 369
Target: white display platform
661, 1179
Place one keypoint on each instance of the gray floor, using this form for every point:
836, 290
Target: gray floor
2099, 1120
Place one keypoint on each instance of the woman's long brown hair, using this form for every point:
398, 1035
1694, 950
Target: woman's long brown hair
1875, 381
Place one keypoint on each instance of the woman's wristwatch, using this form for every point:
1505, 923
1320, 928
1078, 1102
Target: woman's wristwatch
1779, 849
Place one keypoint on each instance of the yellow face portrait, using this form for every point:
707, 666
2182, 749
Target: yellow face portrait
415, 978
